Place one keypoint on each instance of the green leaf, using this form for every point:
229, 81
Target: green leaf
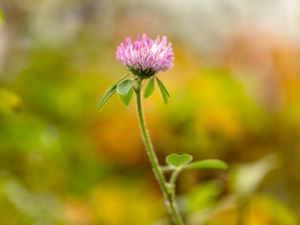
127, 98
124, 87
207, 164
163, 90
149, 88
109, 92
176, 160
249, 176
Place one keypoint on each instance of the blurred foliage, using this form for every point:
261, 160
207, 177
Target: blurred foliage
1, 17
63, 162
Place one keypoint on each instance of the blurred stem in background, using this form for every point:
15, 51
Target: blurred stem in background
241, 210
167, 189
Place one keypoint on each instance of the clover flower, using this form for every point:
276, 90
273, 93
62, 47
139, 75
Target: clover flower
146, 57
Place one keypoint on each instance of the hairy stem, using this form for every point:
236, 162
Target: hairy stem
168, 191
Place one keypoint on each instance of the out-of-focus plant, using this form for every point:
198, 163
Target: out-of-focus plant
1, 17
35, 208
244, 206
145, 58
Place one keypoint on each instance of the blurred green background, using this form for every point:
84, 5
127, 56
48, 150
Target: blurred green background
235, 95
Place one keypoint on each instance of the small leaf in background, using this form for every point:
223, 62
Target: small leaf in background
107, 95
202, 197
124, 87
1, 17
248, 176
163, 90
178, 160
149, 88
127, 98
208, 164
280, 211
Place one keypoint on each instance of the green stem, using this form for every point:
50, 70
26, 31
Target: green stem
169, 193
174, 176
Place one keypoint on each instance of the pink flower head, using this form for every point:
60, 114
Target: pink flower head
146, 57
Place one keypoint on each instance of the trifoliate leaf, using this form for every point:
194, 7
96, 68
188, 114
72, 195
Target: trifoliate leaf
176, 160
124, 87
149, 88
207, 164
109, 92
163, 90
127, 98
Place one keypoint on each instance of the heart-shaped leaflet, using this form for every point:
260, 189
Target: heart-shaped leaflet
177, 160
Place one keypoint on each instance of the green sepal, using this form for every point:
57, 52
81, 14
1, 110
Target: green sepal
176, 160
163, 90
127, 98
124, 87
207, 164
108, 93
149, 88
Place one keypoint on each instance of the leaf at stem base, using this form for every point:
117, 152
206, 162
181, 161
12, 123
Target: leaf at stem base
149, 88
124, 87
127, 98
109, 92
163, 90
